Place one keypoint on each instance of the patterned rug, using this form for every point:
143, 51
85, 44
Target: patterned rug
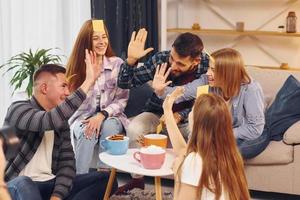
138, 194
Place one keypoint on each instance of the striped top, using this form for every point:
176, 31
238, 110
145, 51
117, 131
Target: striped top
31, 121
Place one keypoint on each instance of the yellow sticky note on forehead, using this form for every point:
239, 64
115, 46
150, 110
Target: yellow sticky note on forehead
203, 89
98, 25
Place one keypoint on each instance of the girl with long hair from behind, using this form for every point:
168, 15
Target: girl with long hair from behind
210, 165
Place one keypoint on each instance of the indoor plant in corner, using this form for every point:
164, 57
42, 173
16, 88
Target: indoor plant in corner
25, 64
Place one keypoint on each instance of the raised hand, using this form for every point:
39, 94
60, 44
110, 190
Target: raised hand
136, 47
92, 65
170, 99
92, 70
160, 77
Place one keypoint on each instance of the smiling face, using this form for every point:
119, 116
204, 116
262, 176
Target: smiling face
180, 65
211, 74
100, 43
56, 90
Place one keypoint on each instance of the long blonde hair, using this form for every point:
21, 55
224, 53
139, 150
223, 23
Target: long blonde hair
229, 71
212, 137
76, 65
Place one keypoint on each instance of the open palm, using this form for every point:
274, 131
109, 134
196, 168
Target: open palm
136, 47
92, 65
159, 81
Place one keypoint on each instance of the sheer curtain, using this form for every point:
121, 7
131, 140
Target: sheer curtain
37, 24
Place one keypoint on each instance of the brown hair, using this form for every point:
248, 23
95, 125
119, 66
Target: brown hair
229, 71
76, 65
212, 137
52, 69
188, 44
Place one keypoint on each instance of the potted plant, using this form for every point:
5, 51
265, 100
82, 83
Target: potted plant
25, 64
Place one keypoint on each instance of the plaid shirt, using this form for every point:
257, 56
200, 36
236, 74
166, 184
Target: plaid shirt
112, 99
31, 121
130, 76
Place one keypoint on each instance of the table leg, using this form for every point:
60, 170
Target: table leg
158, 188
110, 183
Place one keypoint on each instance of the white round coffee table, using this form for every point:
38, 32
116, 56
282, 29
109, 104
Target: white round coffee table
128, 164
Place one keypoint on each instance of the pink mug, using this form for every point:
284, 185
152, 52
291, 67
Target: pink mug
150, 160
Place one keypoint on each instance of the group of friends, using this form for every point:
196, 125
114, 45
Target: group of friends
72, 109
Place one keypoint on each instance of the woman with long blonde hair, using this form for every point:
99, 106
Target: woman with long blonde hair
227, 77
210, 165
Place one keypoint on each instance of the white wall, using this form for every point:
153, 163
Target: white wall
183, 13
36, 24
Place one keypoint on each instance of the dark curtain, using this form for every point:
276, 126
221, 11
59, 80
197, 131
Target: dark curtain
122, 17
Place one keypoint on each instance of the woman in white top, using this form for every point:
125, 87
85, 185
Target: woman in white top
210, 165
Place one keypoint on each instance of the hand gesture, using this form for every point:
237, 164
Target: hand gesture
140, 140
92, 126
92, 65
136, 47
176, 115
159, 81
170, 99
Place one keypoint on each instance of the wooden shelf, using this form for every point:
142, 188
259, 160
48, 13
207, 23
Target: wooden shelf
275, 67
231, 32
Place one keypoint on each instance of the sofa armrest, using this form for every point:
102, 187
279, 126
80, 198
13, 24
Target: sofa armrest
292, 135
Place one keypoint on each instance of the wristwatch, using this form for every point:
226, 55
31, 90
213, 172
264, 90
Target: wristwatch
105, 114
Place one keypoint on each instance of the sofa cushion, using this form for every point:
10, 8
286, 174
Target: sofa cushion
285, 110
275, 153
292, 135
271, 80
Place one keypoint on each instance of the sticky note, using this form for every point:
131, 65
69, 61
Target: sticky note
98, 26
203, 89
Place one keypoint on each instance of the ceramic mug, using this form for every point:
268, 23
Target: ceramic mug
150, 158
115, 147
156, 139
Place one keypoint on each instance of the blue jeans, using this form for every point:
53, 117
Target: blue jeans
85, 186
251, 148
84, 148
23, 188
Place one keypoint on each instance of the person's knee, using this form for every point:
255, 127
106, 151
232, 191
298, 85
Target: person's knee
135, 129
21, 181
112, 126
22, 187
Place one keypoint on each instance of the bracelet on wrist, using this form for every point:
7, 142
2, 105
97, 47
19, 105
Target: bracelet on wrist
105, 114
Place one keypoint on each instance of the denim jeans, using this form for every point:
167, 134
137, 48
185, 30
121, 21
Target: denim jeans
23, 188
84, 148
251, 148
85, 186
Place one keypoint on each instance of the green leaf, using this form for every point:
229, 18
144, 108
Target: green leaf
25, 64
